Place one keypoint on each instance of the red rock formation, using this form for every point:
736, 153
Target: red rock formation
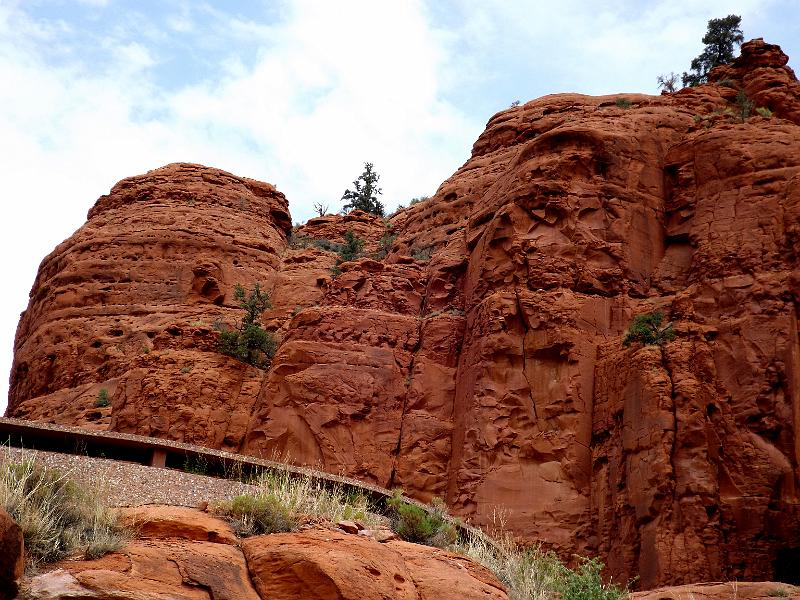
743, 590
327, 564
184, 556
481, 361
127, 304
12, 555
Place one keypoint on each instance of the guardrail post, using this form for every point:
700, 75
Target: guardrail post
159, 458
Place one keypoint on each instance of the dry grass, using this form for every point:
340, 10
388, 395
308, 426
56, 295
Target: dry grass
527, 574
58, 517
531, 573
285, 500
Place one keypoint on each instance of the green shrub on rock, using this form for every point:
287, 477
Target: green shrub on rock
585, 583
102, 399
248, 342
414, 524
647, 329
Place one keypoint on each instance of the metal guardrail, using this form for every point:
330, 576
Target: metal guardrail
158, 452
161, 453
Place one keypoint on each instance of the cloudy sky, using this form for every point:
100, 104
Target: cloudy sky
299, 93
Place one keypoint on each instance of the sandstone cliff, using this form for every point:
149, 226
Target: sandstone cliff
481, 361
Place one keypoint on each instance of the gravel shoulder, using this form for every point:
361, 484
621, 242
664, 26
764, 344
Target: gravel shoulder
132, 484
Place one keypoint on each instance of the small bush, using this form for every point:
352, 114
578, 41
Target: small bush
418, 200
385, 245
57, 516
778, 593
419, 526
622, 103
256, 515
585, 583
325, 244
249, 343
423, 254
744, 104
668, 83
763, 111
352, 247
284, 500
647, 329
728, 83
102, 399
301, 241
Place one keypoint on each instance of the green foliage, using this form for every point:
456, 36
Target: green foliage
763, 111
283, 500
56, 515
385, 243
256, 515
585, 583
728, 83
415, 524
646, 328
301, 241
423, 254
248, 342
720, 39
622, 103
365, 194
102, 399
418, 200
744, 104
254, 304
352, 248
778, 593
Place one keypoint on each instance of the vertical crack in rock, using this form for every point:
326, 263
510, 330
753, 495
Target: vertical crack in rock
525, 330
404, 410
674, 447
253, 405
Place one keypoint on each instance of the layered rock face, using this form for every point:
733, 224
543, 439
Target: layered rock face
127, 305
481, 360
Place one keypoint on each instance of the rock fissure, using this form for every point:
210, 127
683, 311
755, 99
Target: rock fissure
524, 337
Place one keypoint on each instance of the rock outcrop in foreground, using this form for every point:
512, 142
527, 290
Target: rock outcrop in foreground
187, 554
481, 360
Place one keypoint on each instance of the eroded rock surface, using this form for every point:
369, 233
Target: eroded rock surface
12, 555
327, 564
481, 360
745, 590
312, 564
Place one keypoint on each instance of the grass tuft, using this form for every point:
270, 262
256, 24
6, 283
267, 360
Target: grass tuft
58, 517
533, 574
255, 515
285, 500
